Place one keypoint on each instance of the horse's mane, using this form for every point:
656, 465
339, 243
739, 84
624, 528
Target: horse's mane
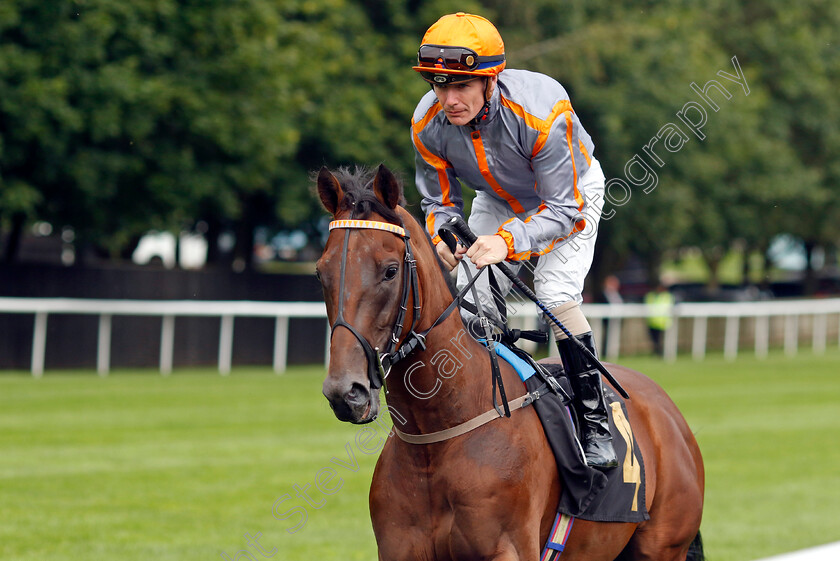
450, 281
360, 199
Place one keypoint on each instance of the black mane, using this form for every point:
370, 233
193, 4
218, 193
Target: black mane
359, 197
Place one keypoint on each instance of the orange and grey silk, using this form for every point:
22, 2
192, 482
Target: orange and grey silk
531, 152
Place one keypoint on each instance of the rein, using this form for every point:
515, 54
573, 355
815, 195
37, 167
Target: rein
380, 363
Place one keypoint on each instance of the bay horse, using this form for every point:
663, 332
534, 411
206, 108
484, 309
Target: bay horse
491, 493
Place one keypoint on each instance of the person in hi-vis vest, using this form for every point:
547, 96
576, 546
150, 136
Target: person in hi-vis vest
660, 303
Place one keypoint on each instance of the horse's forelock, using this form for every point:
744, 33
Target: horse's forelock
359, 197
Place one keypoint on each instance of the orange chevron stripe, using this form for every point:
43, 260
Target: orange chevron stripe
483, 166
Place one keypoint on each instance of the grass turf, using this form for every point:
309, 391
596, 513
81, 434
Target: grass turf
139, 466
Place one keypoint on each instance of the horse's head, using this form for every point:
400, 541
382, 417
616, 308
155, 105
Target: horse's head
365, 278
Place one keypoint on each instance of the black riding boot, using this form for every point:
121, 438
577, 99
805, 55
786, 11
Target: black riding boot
589, 402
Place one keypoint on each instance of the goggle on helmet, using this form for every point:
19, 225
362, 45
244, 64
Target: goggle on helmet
460, 47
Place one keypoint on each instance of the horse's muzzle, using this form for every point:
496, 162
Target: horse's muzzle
351, 403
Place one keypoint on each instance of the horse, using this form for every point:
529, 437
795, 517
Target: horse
490, 493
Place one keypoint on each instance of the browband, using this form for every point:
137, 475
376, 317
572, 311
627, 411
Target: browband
371, 224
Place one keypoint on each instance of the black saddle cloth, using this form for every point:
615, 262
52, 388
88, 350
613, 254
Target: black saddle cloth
614, 495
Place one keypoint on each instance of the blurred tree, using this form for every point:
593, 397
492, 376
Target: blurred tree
361, 91
116, 117
794, 54
120, 117
630, 71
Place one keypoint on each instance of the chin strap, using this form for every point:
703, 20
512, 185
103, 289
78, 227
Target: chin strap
482, 115
485, 110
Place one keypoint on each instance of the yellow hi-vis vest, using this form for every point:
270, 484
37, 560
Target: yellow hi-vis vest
659, 309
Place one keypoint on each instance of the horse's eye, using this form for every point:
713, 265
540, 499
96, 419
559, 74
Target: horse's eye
391, 272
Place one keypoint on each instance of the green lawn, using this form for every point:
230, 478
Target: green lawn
138, 466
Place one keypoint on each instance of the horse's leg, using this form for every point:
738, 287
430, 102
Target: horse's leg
510, 554
658, 553
597, 541
675, 482
519, 548
670, 530
475, 536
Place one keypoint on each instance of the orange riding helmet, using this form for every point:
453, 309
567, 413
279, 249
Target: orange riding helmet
460, 47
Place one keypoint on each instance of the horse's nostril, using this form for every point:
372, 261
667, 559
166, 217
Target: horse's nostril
357, 394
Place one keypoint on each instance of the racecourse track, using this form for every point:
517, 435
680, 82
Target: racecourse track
827, 552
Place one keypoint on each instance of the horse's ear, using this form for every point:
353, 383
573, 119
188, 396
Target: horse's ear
386, 187
329, 190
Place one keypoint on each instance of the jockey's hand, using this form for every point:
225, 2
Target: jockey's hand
449, 259
488, 250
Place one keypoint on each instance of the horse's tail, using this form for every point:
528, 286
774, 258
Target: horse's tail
695, 549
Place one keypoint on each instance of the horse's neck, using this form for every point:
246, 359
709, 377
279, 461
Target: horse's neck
442, 385
445, 383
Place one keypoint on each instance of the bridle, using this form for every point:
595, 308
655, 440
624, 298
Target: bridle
379, 363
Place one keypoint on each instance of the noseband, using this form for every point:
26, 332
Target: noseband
379, 363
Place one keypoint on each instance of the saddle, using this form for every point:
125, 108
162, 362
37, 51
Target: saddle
615, 495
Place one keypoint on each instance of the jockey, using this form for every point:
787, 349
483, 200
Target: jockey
513, 137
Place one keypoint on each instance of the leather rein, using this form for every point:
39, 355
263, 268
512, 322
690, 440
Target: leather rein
381, 362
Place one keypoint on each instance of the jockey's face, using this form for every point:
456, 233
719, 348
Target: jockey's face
462, 101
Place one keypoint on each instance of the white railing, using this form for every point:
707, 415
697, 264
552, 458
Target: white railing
610, 317
605, 319
167, 310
